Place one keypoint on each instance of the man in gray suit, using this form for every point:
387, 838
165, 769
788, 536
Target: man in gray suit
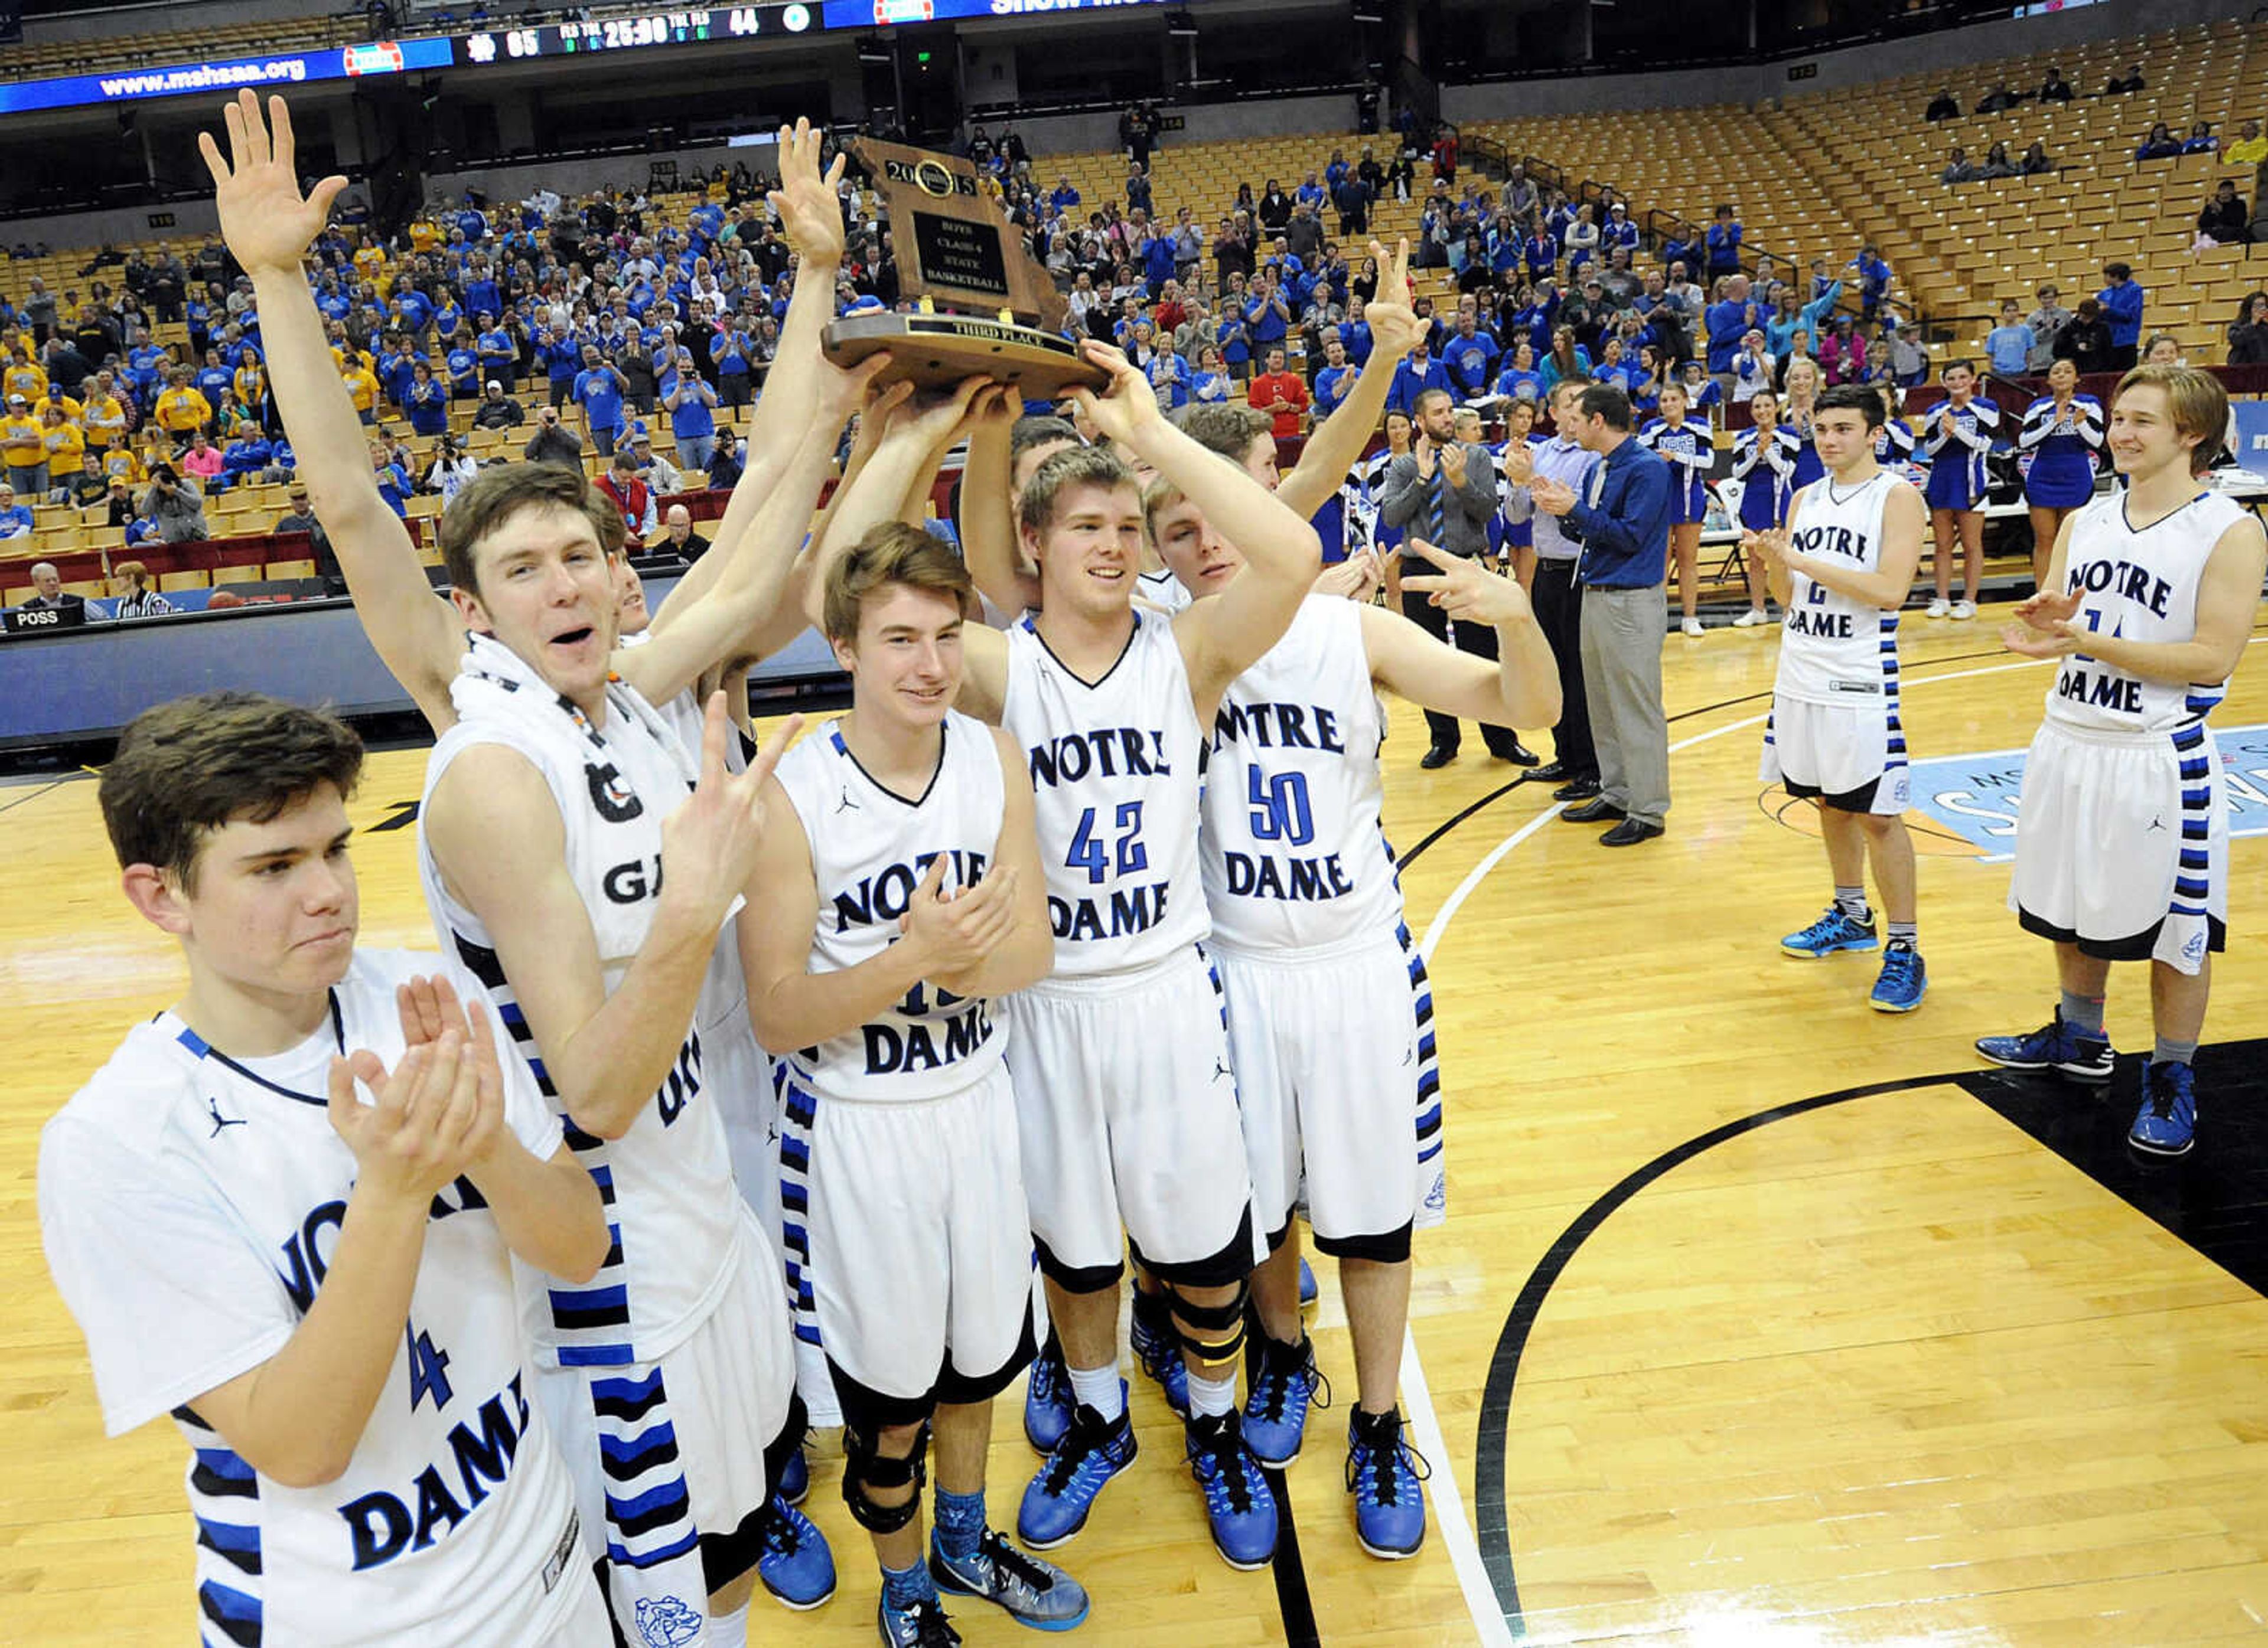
1443, 490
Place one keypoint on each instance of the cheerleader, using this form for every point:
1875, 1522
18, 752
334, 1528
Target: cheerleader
1764, 462
1802, 391
1517, 546
1894, 442
1691, 453
1956, 433
2061, 434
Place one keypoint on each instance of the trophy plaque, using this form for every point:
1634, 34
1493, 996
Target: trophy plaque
984, 305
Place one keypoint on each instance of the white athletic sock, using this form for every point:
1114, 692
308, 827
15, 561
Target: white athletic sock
1210, 1397
1852, 901
729, 1630
1099, 1388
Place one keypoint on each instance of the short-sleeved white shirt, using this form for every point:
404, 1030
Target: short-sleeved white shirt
190, 1205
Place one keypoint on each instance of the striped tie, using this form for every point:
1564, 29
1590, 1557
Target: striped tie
1436, 508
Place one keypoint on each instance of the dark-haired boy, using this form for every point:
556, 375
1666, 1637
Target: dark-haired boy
315, 1147
1841, 568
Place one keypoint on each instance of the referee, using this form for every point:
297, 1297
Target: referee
1443, 490
1622, 519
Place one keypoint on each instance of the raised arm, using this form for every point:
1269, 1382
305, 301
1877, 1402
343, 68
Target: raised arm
268, 224
988, 523
1337, 442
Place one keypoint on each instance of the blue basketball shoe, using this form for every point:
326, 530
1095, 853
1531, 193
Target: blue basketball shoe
1033, 1592
2166, 1125
1239, 1505
795, 1566
2054, 1046
1904, 980
1157, 1346
1309, 1291
1382, 1473
1047, 1398
1833, 932
1055, 1505
1284, 1379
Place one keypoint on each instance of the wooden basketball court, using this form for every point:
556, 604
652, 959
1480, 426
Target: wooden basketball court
1760, 1318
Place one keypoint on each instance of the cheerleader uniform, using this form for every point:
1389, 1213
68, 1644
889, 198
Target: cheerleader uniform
1807, 467
1690, 452
2059, 470
1956, 461
1894, 447
1764, 470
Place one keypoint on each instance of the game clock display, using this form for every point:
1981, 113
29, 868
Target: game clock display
638, 33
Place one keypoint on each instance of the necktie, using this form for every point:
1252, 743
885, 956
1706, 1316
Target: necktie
1437, 509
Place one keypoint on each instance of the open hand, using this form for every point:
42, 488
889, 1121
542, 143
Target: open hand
1553, 497
809, 208
2047, 608
1453, 463
2053, 638
267, 223
1770, 546
933, 420
433, 1114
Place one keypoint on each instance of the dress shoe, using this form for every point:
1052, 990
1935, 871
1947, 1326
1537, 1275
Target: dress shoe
1551, 772
1519, 755
1576, 790
1628, 832
1436, 757
1598, 810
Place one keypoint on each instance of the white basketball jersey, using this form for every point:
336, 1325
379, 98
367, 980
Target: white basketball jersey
668, 1180
1116, 768
1295, 859
1836, 648
870, 849
2142, 586
1162, 589
191, 1203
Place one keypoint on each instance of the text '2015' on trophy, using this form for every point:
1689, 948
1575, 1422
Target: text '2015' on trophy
958, 254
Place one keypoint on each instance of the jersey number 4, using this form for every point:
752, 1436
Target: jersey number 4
1088, 853
429, 1371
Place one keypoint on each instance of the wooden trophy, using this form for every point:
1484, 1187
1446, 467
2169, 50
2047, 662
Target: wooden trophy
958, 254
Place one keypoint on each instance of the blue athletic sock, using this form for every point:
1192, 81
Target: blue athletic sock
2172, 1052
959, 1523
903, 1587
2082, 1013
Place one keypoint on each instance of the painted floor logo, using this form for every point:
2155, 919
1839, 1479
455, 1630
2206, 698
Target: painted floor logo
1974, 797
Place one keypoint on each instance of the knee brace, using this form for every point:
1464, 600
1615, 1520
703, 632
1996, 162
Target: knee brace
865, 1469
1213, 1334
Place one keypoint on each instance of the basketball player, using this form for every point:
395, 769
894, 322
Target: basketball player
1330, 1011
266, 1181
1840, 569
912, 1253
2122, 840
1127, 1106
543, 747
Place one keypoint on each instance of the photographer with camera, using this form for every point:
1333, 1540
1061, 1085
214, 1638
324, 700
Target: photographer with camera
173, 500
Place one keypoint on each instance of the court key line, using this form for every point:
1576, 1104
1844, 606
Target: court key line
1488, 1617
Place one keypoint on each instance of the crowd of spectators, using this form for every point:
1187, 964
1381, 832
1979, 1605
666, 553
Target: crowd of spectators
2159, 143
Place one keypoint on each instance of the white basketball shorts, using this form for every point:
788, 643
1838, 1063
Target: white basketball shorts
1128, 1109
916, 1250
2122, 844
1851, 756
1339, 1089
